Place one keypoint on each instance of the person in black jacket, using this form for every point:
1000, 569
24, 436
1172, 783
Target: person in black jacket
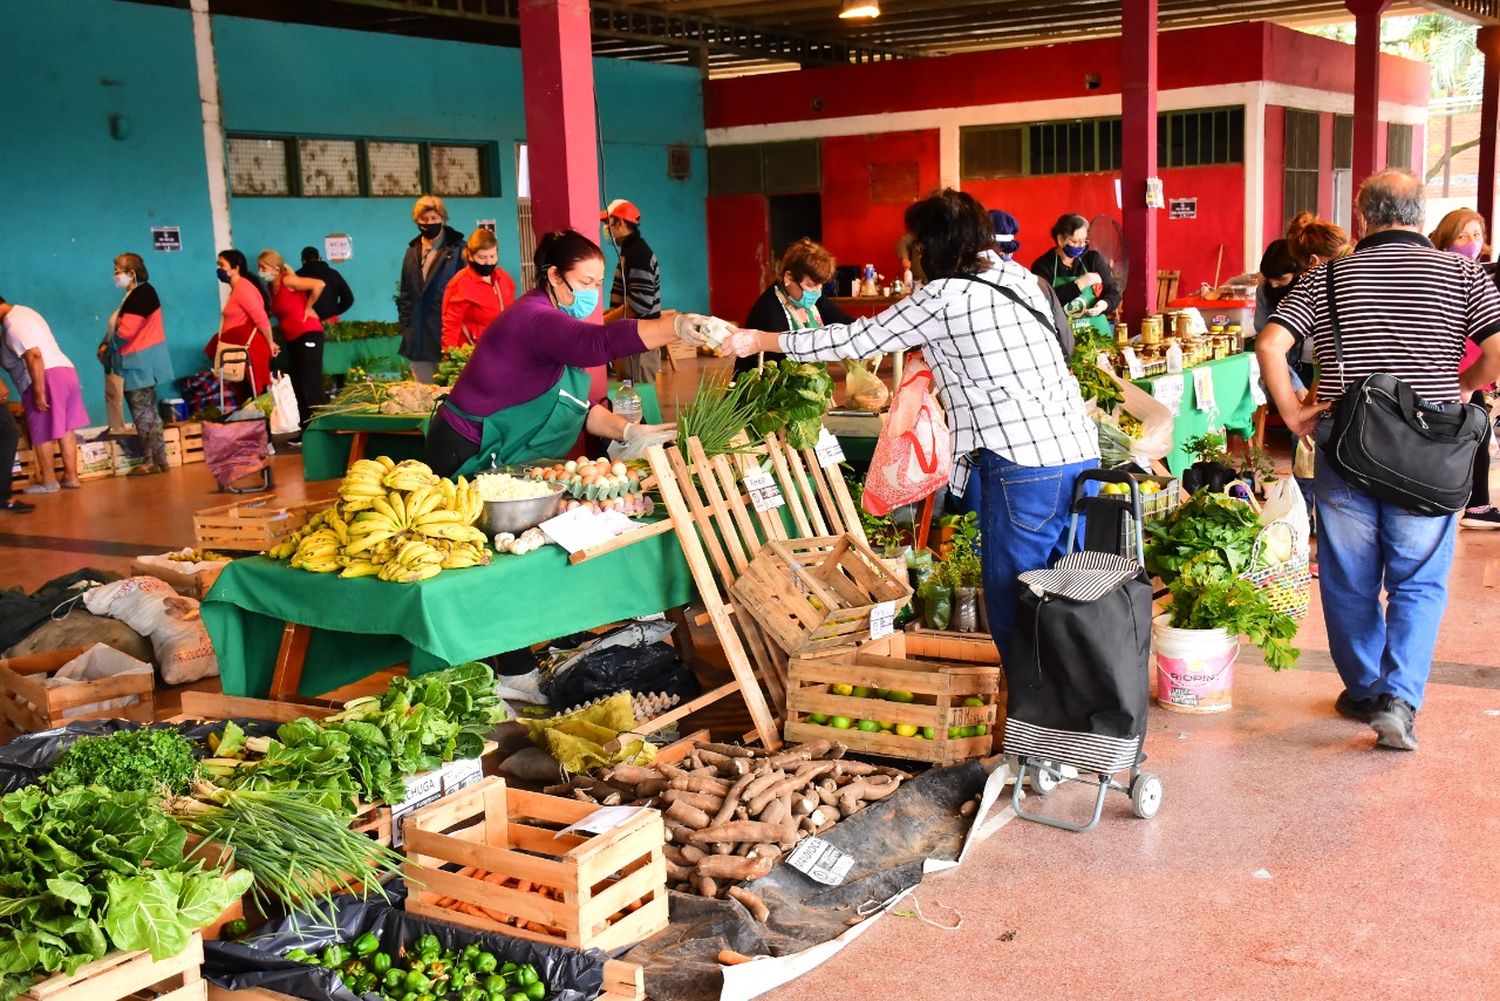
1076, 272
431, 260
337, 297
795, 300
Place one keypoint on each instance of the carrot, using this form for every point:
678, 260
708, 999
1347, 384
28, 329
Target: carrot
493, 877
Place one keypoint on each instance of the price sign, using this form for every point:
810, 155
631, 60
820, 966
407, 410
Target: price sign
1105, 362
1257, 391
828, 450
1132, 363
462, 774
1203, 390
420, 790
820, 861
764, 493
1168, 392
882, 620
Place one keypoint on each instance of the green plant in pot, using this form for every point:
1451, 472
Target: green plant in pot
966, 574
1212, 467
936, 592
1258, 468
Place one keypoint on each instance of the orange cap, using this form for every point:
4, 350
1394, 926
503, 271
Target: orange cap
621, 209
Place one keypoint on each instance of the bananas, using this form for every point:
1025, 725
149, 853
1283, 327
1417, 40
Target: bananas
394, 521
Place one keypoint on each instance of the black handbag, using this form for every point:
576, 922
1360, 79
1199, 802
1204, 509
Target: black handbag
1395, 446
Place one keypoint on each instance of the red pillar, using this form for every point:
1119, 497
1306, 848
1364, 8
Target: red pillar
557, 71
1489, 111
1138, 152
1366, 88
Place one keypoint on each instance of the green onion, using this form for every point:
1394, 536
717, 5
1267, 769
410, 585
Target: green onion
717, 416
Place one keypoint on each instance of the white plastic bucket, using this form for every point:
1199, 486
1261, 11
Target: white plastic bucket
1194, 667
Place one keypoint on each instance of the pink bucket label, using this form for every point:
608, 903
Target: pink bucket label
1196, 684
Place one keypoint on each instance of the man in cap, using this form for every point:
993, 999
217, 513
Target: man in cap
636, 290
337, 297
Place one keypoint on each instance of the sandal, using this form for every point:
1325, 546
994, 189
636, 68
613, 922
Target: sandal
73, 484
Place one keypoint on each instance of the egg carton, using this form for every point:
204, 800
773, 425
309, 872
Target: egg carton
644, 705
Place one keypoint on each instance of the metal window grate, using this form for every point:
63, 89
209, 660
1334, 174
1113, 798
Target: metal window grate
395, 168
258, 166
458, 170
1300, 160
329, 167
1398, 141
1202, 138
527, 231
986, 151
1343, 142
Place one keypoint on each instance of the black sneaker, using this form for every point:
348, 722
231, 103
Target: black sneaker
1358, 709
1480, 517
1394, 723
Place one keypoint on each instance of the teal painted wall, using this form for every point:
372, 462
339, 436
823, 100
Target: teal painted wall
72, 197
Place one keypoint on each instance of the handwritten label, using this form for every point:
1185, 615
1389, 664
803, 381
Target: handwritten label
828, 450
1168, 391
882, 620
1203, 390
1257, 391
420, 791
820, 861
1105, 362
461, 774
1133, 364
764, 493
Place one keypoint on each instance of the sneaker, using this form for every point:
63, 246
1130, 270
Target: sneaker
1357, 709
17, 507
1394, 723
1481, 517
42, 488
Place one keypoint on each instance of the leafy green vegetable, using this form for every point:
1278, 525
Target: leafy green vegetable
1208, 596
1093, 382
790, 394
1205, 523
127, 761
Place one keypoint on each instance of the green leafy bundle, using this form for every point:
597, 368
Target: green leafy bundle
88, 870
304, 757
127, 761
717, 415
1206, 595
1093, 382
1207, 522
788, 394
361, 330
452, 364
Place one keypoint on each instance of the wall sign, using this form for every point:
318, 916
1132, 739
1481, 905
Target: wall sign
166, 239
338, 247
488, 224
1182, 208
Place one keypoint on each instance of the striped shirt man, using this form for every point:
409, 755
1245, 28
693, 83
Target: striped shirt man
1405, 309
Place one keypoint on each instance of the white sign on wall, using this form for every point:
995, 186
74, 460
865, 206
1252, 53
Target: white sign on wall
338, 247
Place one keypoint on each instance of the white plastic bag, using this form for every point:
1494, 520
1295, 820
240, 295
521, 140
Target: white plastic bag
96, 663
285, 418
1155, 440
1284, 502
172, 623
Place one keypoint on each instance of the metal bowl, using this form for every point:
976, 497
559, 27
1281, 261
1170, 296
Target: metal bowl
516, 516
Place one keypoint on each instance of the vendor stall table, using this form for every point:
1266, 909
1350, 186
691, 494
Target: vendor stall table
338, 356
331, 442
282, 632
1234, 407
864, 305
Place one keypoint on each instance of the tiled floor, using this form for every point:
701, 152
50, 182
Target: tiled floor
1381, 871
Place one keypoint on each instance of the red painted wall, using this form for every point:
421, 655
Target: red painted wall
856, 229
1275, 137
739, 232
1304, 60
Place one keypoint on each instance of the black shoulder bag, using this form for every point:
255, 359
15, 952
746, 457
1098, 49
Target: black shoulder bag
1395, 446
1058, 322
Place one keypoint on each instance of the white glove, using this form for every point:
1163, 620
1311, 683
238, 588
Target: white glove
699, 330
638, 438
740, 344
1098, 308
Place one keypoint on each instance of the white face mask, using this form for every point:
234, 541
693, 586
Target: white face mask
122, 280
268, 276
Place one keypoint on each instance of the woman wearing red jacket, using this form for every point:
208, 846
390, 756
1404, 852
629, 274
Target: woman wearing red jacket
477, 294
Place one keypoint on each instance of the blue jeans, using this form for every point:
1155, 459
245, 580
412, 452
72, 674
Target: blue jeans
1365, 545
1023, 525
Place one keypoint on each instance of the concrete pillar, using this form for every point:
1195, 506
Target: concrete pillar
213, 130
1138, 152
1489, 111
1367, 145
557, 73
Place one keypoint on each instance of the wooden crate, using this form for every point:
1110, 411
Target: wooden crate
817, 594
122, 975
27, 705
193, 585
944, 644
23, 472
938, 691
511, 832
191, 438
252, 525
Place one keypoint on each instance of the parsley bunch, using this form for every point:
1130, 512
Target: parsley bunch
127, 761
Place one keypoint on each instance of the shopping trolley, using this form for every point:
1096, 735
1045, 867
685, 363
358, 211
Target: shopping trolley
1077, 677
235, 446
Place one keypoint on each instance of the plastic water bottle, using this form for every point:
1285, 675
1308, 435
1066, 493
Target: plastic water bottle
1174, 357
628, 403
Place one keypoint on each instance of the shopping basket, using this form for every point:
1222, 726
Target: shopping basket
1077, 681
235, 447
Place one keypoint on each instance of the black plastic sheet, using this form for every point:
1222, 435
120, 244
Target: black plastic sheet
652, 668
257, 961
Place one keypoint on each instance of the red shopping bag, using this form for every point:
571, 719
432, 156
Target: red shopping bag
915, 451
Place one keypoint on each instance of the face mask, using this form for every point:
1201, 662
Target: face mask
1469, 250
223, 276
585, 300
430, 229
268, 276
809, 297
482, 270
1074, 252
122, 280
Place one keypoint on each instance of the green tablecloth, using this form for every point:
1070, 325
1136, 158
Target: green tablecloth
325, 450
1234, 406
366, 624
339, 355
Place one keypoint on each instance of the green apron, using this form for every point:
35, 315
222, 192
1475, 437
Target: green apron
543, 428
1075, 307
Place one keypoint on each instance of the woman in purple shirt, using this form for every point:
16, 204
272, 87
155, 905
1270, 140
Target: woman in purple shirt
524, 394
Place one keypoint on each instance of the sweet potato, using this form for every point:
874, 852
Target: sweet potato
728, 750
734, 867
631, 774
741, 830
756, 906
688, 816
693, 854
708, 804
702, 784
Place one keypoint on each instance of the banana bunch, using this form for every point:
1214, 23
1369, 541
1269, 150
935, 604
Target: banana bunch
396, 521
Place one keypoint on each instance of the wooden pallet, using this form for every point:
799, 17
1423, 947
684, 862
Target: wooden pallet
252, 525
937, 690
122, 975
613, 886
27, 705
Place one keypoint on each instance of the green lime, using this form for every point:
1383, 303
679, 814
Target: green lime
861, 692
929, 733
973, 700
906, 730
869, 726
955, 732
899, 696
842, 689
980, 729
819, 718
841, 722
967, 731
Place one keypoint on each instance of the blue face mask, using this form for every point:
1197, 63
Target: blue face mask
584, 302
224, 276
1074, 252
809, 297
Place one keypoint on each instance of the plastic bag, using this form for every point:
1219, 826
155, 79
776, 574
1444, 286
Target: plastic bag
1155, 439
285, 418
171, 621
915, 450
937, 604
600, 672
1284, 502
863, 389
257, 961
94, 664
1304, 460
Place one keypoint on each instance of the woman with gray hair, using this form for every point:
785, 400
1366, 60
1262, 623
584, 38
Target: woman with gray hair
433, 257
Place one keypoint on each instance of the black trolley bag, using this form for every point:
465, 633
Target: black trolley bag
1077, 681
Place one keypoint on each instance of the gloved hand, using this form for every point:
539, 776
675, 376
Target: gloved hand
699, 330
1098, 308
638, 438
740, 344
